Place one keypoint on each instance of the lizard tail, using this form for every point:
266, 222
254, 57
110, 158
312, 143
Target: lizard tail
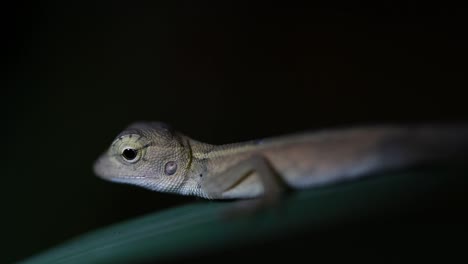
356, 153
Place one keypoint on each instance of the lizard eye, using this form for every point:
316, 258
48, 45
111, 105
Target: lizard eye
170, 168
130, 155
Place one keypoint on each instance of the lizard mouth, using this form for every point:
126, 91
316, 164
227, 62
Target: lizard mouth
125, 179
104, 169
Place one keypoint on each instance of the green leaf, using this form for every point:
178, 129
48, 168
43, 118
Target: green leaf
200, 228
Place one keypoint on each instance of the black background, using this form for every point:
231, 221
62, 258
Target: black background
76, 74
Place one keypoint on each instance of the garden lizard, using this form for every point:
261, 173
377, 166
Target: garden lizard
154, 156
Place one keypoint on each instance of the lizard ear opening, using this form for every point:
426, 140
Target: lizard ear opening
170, 168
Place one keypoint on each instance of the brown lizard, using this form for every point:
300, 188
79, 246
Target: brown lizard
154, 156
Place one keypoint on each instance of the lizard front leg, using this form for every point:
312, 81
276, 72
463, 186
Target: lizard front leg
273, 184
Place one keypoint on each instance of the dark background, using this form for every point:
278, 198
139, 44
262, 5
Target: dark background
76, 74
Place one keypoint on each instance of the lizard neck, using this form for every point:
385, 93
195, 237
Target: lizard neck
203, 151
207, 161
199, 150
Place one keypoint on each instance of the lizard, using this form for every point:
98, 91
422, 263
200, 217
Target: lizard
155, 156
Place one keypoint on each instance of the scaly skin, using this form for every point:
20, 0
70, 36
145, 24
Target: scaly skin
154, 156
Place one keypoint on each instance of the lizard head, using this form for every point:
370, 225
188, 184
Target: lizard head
150, 155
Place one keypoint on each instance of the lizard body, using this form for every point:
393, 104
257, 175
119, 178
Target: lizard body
154, 156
